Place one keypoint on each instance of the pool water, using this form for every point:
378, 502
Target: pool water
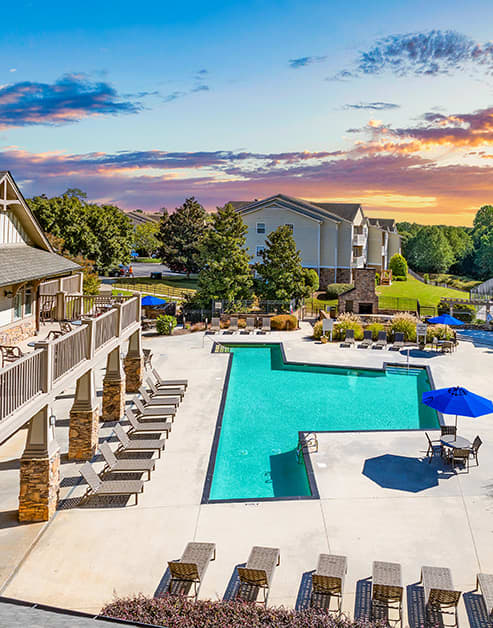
478, 336
268, 402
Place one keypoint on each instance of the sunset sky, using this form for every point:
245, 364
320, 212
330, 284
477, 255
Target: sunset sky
143, 104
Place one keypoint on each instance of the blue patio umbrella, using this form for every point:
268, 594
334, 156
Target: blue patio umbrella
457, 400
150, 301
445, 319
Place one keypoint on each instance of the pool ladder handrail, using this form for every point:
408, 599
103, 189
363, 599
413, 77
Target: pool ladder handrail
308, 444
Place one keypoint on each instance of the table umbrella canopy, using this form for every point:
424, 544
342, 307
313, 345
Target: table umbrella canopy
445, 319
149, 300
457, 400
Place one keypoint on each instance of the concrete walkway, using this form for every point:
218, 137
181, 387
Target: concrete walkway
427, 515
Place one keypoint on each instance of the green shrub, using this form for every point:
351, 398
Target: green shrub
442, 332
347, 321
165, 324
462, 311
405, 323
399, 278
333, 290
398, 265
426, 278
317, 330
375, 328
377, 279
284, 322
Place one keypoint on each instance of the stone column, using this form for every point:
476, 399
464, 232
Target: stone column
40, 470
134, 363
84, 420
113, 388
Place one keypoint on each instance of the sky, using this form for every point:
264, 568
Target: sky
385, 103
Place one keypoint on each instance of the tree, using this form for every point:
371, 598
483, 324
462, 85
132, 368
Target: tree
429, 251
115, 234
398, 265
180, 234
312, 279
483, 220
225, 273
282, 277
146, 239
484, 256
90, 280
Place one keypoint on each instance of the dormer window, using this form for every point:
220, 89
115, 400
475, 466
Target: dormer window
261, 227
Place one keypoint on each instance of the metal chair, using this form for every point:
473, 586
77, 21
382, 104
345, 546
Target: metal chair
434, 447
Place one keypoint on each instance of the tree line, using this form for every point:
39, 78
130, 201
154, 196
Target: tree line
456, 250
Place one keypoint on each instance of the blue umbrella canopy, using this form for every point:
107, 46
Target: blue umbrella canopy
445, 319
457, 400
150, 300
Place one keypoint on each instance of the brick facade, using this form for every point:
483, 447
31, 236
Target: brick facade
328, 275
362, 299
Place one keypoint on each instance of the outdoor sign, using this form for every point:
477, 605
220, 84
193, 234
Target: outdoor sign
218, 305
421, 332
327, 326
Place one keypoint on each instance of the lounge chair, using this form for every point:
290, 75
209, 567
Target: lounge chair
349, 339
381, 340
154, 411
99, 487
215, 325
386, 587
233, 325
434, 447
125, 465
191, 568
166, 383
328, 581
398, 341
265, 325
258, 572
161, 397
147, 426
250, 325
439, 591
474, 449
126, 444
147, 358
367, 340
163, 392
484, 582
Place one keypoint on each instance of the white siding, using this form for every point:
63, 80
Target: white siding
11, 231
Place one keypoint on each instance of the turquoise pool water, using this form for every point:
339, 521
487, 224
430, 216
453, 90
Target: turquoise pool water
269, 402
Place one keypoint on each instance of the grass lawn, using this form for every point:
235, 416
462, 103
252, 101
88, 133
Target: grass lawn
426, 294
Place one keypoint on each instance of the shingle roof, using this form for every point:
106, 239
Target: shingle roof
384, 223
238, 204
344, 210
26, 263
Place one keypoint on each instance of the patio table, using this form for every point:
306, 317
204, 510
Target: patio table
455, 442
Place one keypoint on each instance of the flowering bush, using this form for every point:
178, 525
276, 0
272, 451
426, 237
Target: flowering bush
179, 612
405, 323
317, 330
375, 328
442, 332
347, 321
284, 322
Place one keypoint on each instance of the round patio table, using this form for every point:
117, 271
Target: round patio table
456, 442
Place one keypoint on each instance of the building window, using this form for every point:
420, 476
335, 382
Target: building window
259, 250
261, 227
28, 302
18, 305
290, 225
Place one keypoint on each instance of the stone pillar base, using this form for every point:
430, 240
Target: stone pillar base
134, 373
83, 434
39, 488
113, 399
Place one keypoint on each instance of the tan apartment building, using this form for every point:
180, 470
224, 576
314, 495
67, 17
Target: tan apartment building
333, 238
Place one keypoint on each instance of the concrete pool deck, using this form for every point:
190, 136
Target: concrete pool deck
378, 501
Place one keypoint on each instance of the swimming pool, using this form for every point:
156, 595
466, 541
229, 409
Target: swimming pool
268, 401
477, 336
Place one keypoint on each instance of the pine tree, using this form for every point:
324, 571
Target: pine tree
282, 276
180, 234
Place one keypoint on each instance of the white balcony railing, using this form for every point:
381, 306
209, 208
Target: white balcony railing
359, 239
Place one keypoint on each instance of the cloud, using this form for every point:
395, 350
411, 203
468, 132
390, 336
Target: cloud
302, 62
373, 106
13, 70
70, 99
423, 53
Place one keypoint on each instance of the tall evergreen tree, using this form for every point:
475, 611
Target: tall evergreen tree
180, 234
225, 272
282, 276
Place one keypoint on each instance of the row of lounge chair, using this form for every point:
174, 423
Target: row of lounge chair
327, 582
153, 413
233, 326
367, 342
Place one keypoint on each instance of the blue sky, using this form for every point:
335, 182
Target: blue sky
145, 104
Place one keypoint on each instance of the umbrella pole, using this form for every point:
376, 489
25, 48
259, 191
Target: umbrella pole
455, 435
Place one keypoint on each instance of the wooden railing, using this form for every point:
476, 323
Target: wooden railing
69, 351
105, 328
20, 382
67, 284
158, 289
129, 313
73, 307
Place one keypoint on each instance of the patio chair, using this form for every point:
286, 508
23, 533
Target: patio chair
440, 596
137, 426
459, 456
166, 383
434, 447
125, 465
163, 392
191, 568
258, 573
349, 339
161, 397
99, 487
484, 583
398, 341
147, 358
386, 590
477, 442
381, 342
328, 581
447, 430
367, 339
215, 325
11, 353
126, 444
154, 411
250, 325
447, 346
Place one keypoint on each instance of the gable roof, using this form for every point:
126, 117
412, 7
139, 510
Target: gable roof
347, 211
383, 223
